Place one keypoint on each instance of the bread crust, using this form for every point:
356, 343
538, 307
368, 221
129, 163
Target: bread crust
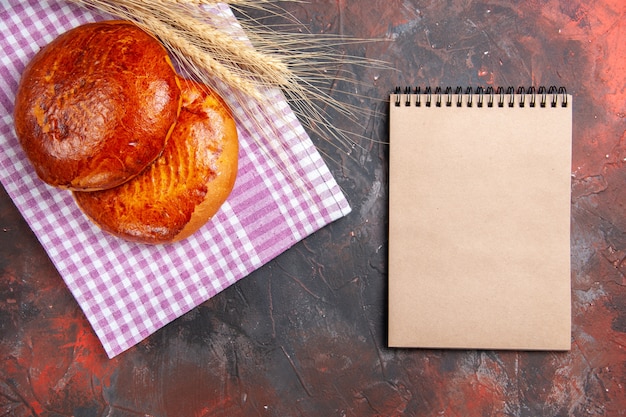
185, 186
96, 105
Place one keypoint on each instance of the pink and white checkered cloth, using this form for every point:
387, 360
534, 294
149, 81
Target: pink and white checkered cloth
128, 291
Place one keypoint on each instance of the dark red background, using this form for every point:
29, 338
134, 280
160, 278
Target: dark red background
306, 334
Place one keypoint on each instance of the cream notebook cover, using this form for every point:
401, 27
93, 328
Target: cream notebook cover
479, 219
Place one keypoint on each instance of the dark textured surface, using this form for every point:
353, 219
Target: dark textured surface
306, 335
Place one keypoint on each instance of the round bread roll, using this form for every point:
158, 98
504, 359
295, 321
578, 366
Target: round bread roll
96, 105
185, 186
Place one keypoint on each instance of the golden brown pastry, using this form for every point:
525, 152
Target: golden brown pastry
96, 105
185, 186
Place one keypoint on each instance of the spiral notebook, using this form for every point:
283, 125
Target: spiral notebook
479, 218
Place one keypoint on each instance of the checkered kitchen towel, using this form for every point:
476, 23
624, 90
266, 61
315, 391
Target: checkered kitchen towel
128, 291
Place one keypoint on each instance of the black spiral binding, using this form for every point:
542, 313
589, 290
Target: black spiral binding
481, 96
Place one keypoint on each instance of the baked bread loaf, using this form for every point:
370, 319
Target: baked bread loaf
185, 186
96, 106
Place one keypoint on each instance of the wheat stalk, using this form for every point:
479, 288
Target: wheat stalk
251, 58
